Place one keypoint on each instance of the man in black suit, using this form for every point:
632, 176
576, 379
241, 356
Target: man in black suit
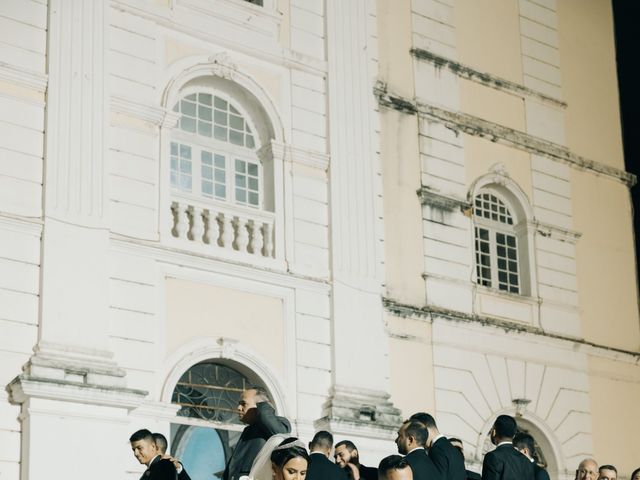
394, 467
320, 467
146, 452
348, 458
527, 446
162, 444
444, 456
411, 439
256, 411
459, 446
505, 462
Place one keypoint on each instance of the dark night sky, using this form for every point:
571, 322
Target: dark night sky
626, 18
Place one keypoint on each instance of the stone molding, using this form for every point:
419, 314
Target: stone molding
484, 78
357, 410
555, 232
428, 313
472, 125
23, 77
441, 201
148, 113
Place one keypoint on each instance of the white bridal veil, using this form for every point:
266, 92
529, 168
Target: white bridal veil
261, 468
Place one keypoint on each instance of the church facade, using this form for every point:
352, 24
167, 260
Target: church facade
368, 208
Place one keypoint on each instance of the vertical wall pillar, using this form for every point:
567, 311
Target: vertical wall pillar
71, 385
360, 398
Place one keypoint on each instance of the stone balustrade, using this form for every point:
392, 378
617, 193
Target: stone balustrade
241, 229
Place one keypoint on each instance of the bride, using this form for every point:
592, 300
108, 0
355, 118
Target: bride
280, 459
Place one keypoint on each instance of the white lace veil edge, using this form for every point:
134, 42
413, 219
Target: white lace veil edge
261, 468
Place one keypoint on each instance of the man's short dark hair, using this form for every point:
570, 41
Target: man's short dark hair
524, 440
505, 426
347, 443
262, 395
143, 434
161, 442
417, 430
322, 440
608, 467
392, 462
425, 419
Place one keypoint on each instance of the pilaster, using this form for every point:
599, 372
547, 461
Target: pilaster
360, 368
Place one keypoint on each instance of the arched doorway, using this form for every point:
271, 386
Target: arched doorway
207, 427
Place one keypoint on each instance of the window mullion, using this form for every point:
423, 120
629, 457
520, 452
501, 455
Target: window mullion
493, 258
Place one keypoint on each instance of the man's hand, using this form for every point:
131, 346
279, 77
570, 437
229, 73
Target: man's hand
355, 471
175, 461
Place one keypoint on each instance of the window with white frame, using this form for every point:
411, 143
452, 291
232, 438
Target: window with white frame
213, 151
496, 244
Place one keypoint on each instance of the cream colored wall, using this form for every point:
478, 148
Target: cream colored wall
196, 310
492, 105
589, 81
400, 160
615, 390
481, 154
410, 351
488, 37
607, 289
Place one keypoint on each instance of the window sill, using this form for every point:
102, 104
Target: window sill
509, 306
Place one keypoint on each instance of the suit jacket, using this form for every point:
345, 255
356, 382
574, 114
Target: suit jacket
252, 439
183, 475
368, 473
447, 459
422, 466
506, 463
473, 475
321, 468
539, 472
160, 469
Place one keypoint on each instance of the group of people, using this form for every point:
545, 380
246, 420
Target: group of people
266, 451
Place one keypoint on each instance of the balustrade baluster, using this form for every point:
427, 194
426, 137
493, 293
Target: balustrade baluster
256, 238
242, 234
197, 225
227, 231
180, 219
212, 228
267, 230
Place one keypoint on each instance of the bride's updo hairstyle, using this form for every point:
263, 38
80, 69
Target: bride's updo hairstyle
287, 449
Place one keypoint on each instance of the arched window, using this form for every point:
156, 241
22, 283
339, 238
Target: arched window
213, 151
496, 243
207, 426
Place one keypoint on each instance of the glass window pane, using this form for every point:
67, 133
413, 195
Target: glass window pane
191, 97
185, 183
234, 110
207, 172
220, 117
253, 169
185, 151
511, 241
240, 166
502, 277
188, 124
188, 108
241, 181
207, 189
220, 133
253, 184
206, 157
248, 141
253, 198
219, 161
204, 113
502, 263
204, 129
174, 163
174, 148
221, 191
236, 122
513, 279
513, 266
185, 168
174, 179
220, 176
220, 103
241, 195
237, 138
204, 98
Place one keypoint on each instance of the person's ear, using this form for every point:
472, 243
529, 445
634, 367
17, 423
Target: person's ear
274, 471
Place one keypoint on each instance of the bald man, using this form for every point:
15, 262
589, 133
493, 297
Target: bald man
587, 470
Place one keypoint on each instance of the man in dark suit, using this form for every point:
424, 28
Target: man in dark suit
348, 458
444, 456
256, 411
411, 439
459, 446
394, 467
320, 467
146, 452
527, 446
505, 462
162, 444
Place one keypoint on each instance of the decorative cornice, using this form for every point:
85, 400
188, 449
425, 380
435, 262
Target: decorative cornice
148, 113
483, 78
471, 125
296, 155
23, 77
428, 313
553, 231
441, 201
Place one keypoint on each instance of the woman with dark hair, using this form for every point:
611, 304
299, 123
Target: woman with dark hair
636, 474
280, 459
289, 460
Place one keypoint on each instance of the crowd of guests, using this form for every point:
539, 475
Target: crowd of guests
264, 451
